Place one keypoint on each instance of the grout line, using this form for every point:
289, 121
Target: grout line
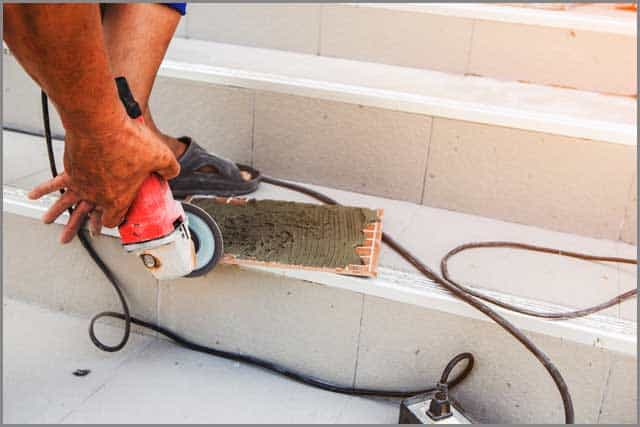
426, 163
355, 368
253, 129
629, 203
320, 19
471, 38
604, 391
93, 393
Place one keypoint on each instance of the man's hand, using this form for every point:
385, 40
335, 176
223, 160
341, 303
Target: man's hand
103, 174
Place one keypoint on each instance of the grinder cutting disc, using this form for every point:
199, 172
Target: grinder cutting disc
207, 239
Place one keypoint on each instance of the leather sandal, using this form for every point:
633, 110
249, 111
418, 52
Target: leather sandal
202, 173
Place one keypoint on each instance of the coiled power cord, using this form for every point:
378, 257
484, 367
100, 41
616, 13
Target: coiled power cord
466, 294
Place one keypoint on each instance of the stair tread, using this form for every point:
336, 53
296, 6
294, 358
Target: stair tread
479, 99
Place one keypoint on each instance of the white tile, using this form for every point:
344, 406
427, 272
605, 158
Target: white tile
41, 350
150, 382
620, 401
308, 327
181, 29
351, 147
167, 384
404, 347
293, 27
577, 58
540, 276
219, 118
629, 232
361, 410
21, 103
628, 279
431, 233
25, 155
532, 178
37, 268
396, 37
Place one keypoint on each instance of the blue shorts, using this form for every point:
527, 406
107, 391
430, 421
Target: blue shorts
181, 8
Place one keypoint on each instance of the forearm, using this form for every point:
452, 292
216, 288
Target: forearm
68, 61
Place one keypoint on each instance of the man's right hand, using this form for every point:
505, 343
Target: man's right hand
102, 175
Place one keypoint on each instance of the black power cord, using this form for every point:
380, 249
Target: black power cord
466, 294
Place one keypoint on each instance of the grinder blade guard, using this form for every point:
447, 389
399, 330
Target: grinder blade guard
206, 237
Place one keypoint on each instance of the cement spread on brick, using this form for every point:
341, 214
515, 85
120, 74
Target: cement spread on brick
291, 233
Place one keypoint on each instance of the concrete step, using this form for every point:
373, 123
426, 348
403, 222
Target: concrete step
589, 48
518, 152
393, 331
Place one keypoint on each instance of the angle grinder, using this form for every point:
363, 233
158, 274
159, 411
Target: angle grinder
172, 239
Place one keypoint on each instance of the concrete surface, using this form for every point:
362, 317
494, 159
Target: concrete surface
151, 381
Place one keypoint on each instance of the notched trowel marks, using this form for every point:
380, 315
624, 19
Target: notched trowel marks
297, 234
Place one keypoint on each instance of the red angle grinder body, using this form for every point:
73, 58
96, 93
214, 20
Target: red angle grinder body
152, 214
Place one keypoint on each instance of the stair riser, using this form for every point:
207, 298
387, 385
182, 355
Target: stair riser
578, 56
535, 178
331, 333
